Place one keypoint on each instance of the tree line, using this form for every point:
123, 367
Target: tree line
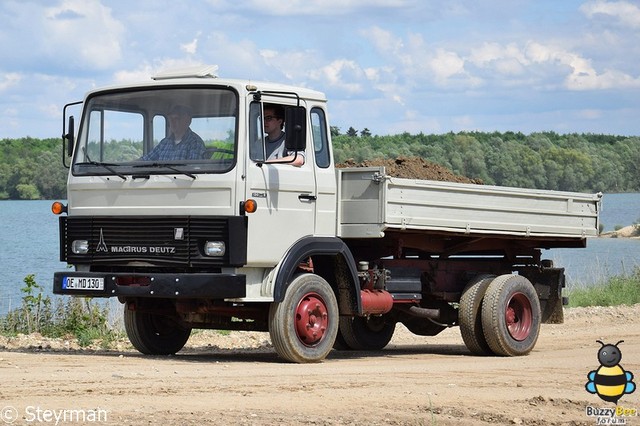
32, 168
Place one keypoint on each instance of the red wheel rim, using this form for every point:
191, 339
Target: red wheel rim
312, 319
518, 316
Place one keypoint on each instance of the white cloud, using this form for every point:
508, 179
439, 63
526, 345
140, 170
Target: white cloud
142, 73
625, 12
9, 80
446, 64
191, 47
341, 74
83, 33
582, 75
383, 40
506, 60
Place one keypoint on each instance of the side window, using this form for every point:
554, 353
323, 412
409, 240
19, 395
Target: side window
159, 129
320, 139
256, 132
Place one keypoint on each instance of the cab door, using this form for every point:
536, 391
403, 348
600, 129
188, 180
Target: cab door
324, 171
285, 196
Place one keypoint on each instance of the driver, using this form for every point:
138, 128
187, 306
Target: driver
182, 142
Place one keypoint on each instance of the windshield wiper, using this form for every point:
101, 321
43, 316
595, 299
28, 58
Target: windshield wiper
170, 167
107, 166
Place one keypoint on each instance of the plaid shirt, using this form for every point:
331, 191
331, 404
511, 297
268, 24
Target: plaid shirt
190, 148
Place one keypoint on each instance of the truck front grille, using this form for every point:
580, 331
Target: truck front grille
169, 241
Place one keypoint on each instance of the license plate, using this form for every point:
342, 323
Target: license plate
83, 283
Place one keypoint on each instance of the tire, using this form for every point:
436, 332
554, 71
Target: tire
154, 334
470, 315
340, 344
511, 315
303, 327
362, 333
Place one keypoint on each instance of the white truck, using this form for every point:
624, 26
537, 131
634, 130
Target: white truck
319, 257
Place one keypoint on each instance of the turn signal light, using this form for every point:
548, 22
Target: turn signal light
250, 206
58, 208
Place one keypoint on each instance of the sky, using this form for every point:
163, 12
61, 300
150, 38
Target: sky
390, 66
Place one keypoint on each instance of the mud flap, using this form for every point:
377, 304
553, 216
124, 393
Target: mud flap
549, 283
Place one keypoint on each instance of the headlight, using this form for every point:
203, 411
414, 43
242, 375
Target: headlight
214, 248
80, 246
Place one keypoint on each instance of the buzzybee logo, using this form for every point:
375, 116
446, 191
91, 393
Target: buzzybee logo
610, 381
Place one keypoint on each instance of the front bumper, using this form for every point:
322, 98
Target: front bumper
174, 286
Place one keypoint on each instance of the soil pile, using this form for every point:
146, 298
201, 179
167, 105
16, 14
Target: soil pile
412, 168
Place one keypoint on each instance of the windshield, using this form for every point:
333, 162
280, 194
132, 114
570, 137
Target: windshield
166, 130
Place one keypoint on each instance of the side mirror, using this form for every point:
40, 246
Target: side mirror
295, 128
67, 140
69, 136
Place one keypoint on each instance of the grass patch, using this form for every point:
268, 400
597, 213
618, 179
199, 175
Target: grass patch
619, 290
78, 317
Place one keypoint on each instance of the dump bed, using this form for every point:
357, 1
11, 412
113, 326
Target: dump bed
370, 202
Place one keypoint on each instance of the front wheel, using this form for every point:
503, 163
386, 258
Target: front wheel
303, 327
154, 334
511, 315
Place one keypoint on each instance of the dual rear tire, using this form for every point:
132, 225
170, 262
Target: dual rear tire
500, 315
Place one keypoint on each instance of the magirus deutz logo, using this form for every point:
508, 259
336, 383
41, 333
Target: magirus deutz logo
102, 247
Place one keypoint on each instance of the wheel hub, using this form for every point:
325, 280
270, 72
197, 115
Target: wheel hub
312, 319
518, 316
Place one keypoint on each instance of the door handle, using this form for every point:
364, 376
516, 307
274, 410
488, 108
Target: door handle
307, 197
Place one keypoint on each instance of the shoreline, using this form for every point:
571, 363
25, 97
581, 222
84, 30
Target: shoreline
631, 231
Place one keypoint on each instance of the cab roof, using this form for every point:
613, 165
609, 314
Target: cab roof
208, 76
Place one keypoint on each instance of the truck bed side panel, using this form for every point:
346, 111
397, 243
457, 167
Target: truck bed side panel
370, 203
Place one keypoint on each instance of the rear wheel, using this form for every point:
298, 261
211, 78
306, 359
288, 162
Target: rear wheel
511, 315
303, 327
154, 334
366, 333
470, 315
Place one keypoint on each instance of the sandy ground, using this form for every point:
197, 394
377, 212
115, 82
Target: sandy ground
414, 381
631, 231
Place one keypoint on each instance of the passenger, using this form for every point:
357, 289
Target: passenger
275, 143
182, 142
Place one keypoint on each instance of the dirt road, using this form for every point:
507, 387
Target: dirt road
415, 380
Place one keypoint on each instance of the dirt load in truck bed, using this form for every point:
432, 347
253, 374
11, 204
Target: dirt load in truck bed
412, 168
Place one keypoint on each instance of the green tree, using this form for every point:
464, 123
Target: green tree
27, 191
352, 132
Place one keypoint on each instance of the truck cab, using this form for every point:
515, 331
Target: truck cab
174, 234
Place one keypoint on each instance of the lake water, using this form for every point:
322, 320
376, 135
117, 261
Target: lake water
29, 245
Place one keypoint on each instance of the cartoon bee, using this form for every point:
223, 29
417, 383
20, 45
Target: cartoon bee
610, 381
